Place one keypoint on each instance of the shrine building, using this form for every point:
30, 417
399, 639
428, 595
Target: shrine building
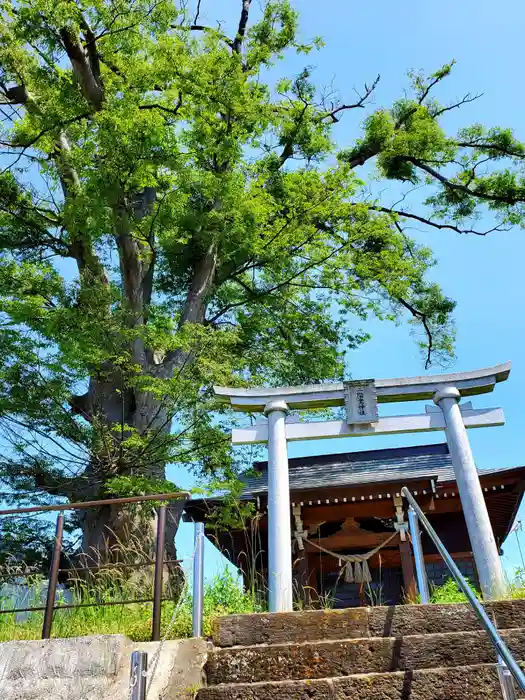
350, 540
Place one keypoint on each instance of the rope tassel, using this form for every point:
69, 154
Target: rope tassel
358, 572
366, 575
349, 572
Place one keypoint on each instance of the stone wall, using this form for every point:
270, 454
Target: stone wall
96, 668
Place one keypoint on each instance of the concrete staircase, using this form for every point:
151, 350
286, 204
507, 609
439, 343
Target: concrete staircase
415, 652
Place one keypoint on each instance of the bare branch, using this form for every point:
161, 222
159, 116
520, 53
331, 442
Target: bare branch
256, 295
468, 98
197, 13
483, 146
435, 224
424, 320
458, 187
361, 103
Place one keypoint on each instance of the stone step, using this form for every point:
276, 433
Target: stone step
330, 659
395, 621
475, 682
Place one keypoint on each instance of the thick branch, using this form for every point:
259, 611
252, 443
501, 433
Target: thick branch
203, 277
243, 23
361, 157
211, 30
149, 273
194, 309
170, 110
130, 264
91, 50
83, 68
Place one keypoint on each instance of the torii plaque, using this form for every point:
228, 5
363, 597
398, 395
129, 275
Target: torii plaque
361, 402
361, 399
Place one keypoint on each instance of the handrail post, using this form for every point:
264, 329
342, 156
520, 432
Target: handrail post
138, 677
506, 682
421, 573
53, 578
198, 580
504, 655
159, 573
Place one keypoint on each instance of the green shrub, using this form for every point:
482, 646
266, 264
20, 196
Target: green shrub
449, 592
222, 596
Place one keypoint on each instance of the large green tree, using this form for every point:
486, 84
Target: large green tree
174, 213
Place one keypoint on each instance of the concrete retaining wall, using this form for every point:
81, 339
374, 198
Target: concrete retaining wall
97, 668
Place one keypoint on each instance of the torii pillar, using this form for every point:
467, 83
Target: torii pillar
479, 528
362, 419
280, 587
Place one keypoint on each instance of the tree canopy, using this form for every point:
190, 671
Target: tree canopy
175, 212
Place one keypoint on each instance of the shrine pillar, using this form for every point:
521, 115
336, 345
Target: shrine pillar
280, 587
480, 532
405, 552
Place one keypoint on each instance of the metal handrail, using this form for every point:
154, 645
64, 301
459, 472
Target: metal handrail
487, 624
176, 495
159, 562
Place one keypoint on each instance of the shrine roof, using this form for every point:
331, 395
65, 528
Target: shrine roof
362, 468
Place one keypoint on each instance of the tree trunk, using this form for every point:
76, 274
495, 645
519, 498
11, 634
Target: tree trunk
125, 534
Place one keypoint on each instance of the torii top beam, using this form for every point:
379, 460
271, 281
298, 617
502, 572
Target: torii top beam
479, 381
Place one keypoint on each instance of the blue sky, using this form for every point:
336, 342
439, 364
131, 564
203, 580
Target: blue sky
484, 275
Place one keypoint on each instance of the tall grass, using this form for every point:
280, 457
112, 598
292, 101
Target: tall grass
222, 596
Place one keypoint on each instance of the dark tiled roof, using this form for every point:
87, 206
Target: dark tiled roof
359, 468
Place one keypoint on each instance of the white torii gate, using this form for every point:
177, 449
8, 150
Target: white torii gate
361, 399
